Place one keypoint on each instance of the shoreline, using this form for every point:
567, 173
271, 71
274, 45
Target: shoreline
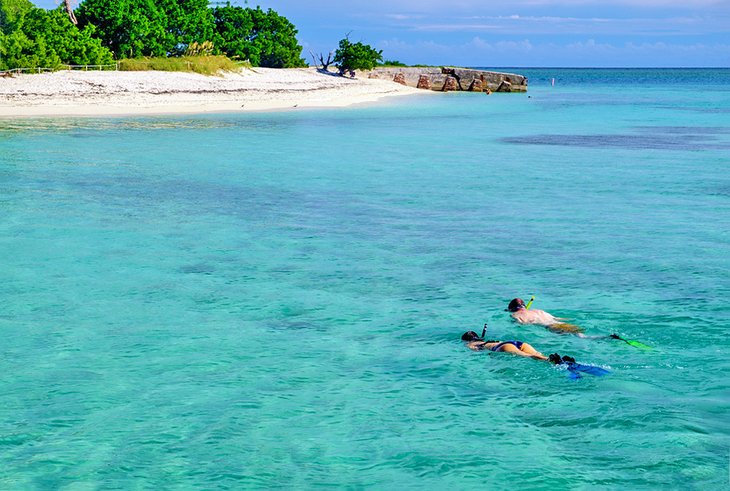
121, 93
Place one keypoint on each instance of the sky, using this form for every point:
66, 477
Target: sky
518, 33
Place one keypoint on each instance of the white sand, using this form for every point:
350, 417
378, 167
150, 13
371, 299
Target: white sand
93, 93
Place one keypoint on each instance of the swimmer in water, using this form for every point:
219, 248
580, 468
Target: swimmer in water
522, 315
519, 348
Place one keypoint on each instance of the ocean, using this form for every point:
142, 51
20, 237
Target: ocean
275, 300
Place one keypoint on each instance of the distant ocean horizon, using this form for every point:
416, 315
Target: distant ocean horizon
602, 68
275, 300
607, 75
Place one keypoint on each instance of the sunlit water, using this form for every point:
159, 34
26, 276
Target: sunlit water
275, 300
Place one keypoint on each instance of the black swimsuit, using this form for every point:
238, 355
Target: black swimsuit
516, 344
496, 347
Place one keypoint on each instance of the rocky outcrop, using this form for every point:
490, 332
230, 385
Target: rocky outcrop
399, 78
466, 79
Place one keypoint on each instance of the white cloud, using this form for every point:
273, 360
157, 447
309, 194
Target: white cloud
480, 44
456, 27
555, 25
403, 17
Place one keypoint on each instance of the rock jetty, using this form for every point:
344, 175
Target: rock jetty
445, 79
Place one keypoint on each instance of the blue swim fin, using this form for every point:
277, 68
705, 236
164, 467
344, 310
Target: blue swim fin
573, 375
577, 368
574, 368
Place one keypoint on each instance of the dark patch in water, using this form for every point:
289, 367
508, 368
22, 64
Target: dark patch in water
646, 138
720, 190
702, 110
685, 130
295, 325
198, 268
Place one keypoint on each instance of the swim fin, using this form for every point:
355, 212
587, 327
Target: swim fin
631, 342
574, 368
577, 368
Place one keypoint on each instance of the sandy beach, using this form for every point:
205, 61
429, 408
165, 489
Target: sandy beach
94, 93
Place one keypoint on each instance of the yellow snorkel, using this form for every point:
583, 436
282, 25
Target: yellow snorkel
532, 299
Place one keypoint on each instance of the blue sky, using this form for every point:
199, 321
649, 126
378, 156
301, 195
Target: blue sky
524, 33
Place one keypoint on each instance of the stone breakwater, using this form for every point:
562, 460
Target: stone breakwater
445, 79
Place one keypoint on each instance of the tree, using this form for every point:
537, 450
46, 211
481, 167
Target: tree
188, 21
324, 63
15, 46
265, 38
32, 37
274, 41
71, 45
233, 26
135, 28
129, 28
351, 56
11, 14
70, 12
17, 51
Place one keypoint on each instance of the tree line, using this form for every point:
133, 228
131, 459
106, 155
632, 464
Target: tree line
109, 30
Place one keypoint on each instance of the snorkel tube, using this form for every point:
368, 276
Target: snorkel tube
484, 331
532, 299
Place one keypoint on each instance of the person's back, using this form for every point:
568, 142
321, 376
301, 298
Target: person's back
534, 316
522, 315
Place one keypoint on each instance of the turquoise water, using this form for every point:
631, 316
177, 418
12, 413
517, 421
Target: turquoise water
275, 300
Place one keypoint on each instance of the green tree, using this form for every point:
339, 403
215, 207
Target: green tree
188, 21
71, 45
34, 37
17, 51
12, 13
135, 28
233, 26
351, 56
274, 40
129, 28
265, 38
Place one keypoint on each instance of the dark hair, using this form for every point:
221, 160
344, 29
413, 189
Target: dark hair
470, 336
516, 304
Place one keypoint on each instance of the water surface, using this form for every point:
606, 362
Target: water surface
275, 300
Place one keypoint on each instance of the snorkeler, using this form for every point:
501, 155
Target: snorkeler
520, 348
477, 343
523, 315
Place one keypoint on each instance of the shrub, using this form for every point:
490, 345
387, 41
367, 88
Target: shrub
206, 65
356, 56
